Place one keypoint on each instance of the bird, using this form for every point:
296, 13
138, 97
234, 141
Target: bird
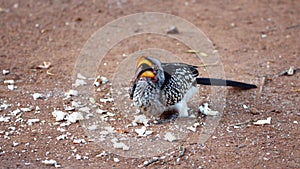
159, 87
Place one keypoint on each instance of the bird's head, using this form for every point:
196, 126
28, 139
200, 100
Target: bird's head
151, 69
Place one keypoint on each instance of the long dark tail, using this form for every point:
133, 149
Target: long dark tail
222, 82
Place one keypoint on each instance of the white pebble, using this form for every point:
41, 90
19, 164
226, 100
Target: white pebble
59, 115
4, 119
9, 82
116, 160
37, 96
80, 76
11, 87
170, 137
15, 144
5, 72
31, 121
106, 100
51, 162
74, 117
71, 93
262, 122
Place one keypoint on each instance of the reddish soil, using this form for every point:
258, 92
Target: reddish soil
256, 41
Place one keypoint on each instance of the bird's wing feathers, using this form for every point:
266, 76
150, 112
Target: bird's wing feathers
171, 68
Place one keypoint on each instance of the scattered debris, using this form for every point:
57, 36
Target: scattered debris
291, 71
148, 162
11, 87
31, 121
100, 80
245, 106
4, 119
51, 162
194, 127
79, 82
5, 72
37, 96
204, 109
45, 65
15, 144
254, 111
196, 52
183, 150
26, 109
71, 93
49, 73
142, 132
106, 100
102, 154
263, 36
140, 119
78, 141
59, 115
61, 137
84, 109
11, 82
78, 157
116, 160
71, 118
172, 30
15, 112
119, 145
262, 122
80, 76
170, 137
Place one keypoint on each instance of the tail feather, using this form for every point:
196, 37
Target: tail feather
222, 82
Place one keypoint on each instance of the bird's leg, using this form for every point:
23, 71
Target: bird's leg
182, 109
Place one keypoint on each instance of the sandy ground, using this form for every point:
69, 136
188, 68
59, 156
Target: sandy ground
255, 40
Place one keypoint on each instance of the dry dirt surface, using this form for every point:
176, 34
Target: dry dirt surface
256, 40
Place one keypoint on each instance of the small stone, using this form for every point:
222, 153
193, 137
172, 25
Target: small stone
71, 93
4, 119
15, 144
262, 122
78, 141
116, 160
120, 145
62, 137
74, 117
15, 112
79, 82
106, 100
80, 76
170, 137
254, 111
204, 109
11, 87
11, 82
100, 80
263, 36
51, 162
37, 96
172, 30
78, 157
26, 109
31, 121
245, 106
37, 108
5, 72
59, 115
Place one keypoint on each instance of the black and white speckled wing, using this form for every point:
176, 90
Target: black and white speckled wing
179, 78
